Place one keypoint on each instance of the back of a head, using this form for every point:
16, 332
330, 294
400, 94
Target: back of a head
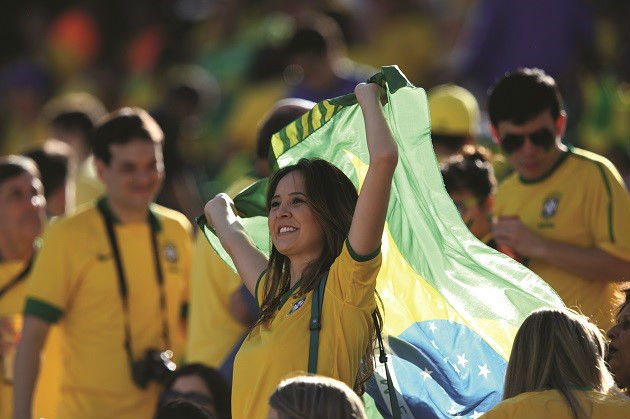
215, 382
181, 409
522, 95
54, 160
318, 35
557, 350
283, 113
470, 171
123, 126
315, 397
454, 111
74, 112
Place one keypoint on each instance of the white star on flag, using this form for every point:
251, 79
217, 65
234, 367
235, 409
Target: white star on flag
456, 369
426, 373
483, 370
476, 415
432, 327
461, 360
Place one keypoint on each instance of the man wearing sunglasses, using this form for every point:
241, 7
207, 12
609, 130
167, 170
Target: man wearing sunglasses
565, 211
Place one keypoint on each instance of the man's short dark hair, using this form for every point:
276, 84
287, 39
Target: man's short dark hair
283, 113
12, 165
522, 95
54, 161
122, 126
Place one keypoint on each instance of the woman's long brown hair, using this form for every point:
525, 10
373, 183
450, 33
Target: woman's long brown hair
332, 197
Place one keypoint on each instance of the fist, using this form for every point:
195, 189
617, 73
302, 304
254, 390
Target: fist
365, 91
218, 209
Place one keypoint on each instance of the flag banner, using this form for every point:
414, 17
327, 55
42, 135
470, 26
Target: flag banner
451, 305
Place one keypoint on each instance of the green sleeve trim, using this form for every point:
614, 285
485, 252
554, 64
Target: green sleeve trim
42, 310
602, 171
256, 289
611, 233
362, 258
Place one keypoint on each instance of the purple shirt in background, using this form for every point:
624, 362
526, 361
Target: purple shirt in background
508, 34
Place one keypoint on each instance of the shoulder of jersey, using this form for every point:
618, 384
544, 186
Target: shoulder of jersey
168, 215
591, 159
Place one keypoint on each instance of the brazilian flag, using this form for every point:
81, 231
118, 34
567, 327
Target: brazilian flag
452, 305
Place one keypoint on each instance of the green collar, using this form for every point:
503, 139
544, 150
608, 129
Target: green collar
155, 223
286, 295
551, 171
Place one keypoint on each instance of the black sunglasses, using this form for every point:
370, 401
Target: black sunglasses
542, 138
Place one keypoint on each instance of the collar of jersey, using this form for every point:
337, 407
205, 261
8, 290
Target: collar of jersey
103, 204
286, 295
551, 171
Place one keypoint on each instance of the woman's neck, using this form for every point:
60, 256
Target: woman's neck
297, 266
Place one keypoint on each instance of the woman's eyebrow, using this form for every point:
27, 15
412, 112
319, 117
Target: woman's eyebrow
290, 193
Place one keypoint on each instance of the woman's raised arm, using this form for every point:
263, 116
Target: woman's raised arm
249, 261
369, 215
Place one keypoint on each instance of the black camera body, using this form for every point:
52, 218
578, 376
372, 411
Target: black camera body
155, 366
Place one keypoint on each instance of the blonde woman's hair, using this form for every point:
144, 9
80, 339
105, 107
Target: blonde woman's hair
316, 397
558, 350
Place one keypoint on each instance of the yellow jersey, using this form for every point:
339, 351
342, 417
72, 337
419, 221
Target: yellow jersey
279, 349
74, 282
212, 330
11, 305
582, 202
552, 404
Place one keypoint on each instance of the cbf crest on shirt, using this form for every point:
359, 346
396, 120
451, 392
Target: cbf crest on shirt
550, 205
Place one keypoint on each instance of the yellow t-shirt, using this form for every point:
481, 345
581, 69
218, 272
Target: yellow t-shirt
11, 306
273, 352
551, 404
74, 282
212, 331
582, 202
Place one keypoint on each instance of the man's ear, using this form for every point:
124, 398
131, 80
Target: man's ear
494, 131
101, 167
561, 124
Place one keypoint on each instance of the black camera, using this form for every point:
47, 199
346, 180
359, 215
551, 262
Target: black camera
155, 366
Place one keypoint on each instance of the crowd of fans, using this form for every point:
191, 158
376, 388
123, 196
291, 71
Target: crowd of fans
108, 107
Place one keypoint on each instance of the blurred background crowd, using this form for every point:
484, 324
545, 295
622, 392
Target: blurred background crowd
208, 70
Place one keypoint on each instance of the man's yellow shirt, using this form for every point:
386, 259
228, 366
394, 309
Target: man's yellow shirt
582, 202
280, 349
47, 388
74, 283
552, 404
212, 330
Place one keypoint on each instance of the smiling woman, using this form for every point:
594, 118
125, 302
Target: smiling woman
321, 230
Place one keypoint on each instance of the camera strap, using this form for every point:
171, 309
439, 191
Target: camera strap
122, 280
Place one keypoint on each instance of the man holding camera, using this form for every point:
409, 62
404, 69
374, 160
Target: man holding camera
113, 276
